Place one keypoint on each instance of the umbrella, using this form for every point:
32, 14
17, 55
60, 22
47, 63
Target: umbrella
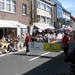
49, 29
37, 30
59, 29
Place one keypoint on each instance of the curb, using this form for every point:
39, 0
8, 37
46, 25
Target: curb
13, 52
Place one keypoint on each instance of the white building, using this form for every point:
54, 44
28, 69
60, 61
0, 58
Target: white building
45, 14
66, 18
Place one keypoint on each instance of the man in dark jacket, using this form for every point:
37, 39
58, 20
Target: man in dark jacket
71, 57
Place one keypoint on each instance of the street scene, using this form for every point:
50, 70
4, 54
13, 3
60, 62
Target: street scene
37, 37
37, 62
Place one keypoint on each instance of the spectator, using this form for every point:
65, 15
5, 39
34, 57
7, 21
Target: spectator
71, 57
27, 40
65, 43
11, 47
3, 39
4, 50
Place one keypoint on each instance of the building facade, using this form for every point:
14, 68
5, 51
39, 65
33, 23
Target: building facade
44, 14
66, 18
58, 13
72, 22
16, 12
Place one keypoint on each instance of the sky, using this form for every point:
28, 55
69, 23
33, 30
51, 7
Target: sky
69, 5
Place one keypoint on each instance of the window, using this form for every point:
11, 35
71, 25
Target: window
13, 6
42, 6
49, 20
2, 5
38, 17
8, 5
43, 19
48, 8
24, 11
38, 4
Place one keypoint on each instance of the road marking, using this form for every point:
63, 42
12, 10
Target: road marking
39, 56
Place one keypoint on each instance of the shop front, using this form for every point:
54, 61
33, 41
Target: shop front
12, 28
8, 31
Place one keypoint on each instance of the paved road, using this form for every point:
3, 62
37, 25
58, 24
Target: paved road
35, 63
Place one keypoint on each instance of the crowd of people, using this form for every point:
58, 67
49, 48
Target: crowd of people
48, 36
8, 44
13, 44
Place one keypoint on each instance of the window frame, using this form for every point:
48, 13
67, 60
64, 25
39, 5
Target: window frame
10, 7
24, 9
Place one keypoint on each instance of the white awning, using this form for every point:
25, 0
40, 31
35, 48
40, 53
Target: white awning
18, 24
48, 26
4, 23
40, 27
11, 24
43, 27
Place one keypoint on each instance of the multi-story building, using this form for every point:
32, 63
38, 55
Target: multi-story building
51, 13
57, 14
45, 14
66, 18
14, 16
72, 22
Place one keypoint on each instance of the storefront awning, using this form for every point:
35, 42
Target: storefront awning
44, 27
40, 27
18, 24
49, 27
11, 24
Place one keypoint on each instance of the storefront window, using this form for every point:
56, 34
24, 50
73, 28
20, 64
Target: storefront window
8, 31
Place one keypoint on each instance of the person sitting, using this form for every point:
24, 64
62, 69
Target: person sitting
11, 47
3, 39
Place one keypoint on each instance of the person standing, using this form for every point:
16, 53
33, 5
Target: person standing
71, 57
27, 40
65, 43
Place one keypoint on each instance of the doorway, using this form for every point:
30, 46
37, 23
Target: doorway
1, 32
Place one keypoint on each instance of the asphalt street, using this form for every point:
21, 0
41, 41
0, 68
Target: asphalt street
35, 63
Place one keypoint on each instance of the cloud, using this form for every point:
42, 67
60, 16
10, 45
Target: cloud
69, 5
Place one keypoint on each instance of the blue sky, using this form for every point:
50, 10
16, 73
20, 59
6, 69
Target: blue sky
69, 5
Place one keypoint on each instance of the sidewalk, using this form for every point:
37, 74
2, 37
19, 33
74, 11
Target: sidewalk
23, 49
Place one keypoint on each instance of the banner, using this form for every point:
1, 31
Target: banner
52, 47
36, 46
